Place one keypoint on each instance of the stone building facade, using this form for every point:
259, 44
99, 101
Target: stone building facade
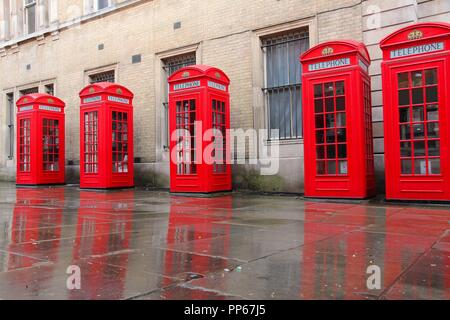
59, 46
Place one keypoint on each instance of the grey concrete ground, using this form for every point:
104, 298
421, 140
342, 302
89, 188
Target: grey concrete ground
136, 244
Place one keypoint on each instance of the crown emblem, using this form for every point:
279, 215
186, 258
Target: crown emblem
50, 100
185, 74
25, 100
327, 51
91, 90
119, 91
218, 76
415, 34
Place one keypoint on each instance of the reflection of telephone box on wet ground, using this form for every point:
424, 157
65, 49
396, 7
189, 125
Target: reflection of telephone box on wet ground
106, 137
199, 107
104, 226
197, 221
36, 226
416, 100
337, 115
40, 140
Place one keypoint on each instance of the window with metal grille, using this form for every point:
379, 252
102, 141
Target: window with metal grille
170, 66
29, 91
106, 76
50, 89
283, 91
10, 117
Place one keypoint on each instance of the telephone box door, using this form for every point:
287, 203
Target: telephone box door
330, 132
420, 118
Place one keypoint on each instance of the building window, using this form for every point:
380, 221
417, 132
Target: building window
106, 76
29, 91
170, 66
30, 15
283, 91
49, 89
10, 119
102, 4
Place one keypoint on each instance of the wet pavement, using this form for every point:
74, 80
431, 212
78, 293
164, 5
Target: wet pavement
136, 244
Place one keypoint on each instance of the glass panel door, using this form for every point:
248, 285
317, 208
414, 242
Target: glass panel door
219, 138
50, 144
25, 145
418, 109
185, 137
330, 128
119, 142
91, 142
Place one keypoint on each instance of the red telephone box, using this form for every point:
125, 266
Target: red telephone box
199, 107
337, 118
106, 137
416, 80
40, 140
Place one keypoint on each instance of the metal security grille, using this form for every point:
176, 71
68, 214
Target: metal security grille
283, 90
172, 65
29, 91
107, 76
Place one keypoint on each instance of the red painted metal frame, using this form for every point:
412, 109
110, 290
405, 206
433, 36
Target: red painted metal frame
34, 109
431, 55
105, 100
338, 63
202, 84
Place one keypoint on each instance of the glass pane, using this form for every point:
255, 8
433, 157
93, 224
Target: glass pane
342, 151
432, 94
331, 152
434, 148
433, 130
329, 89
329, 104
416, 78
340, 103
405, 149
419, 131
340, 119
343, 167
340, 88
432, 112
431, 76
420, 166
320, 152
406, 166
319, 121
405, 132
435, 166
318, 91
318, 106
417, 96
419, 148
404, 115
320, 137
331, 136
321, 167
403, 97
342, 135
418, 115
331, 167
403, 80
330, 120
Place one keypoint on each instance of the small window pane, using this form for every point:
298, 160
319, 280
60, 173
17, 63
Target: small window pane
320, 152
318, 106
340, 103
434, 148
331, 167
406, 166
321, 167
331, 152
340, 119
404, 115
419, 131
416, 78
433, 130
417, 96
405, 149
418, 115
419, 148
420, 166
343, 167
405, 132
403, 97
319, 121
342, 135
403, 80
329, 104
331, 136
432, 112
431, 76
329, 89
340, 88
342, 151
318, 91
432, 94
320, 137
435, 166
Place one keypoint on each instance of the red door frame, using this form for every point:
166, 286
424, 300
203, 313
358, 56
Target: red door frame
400, 57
